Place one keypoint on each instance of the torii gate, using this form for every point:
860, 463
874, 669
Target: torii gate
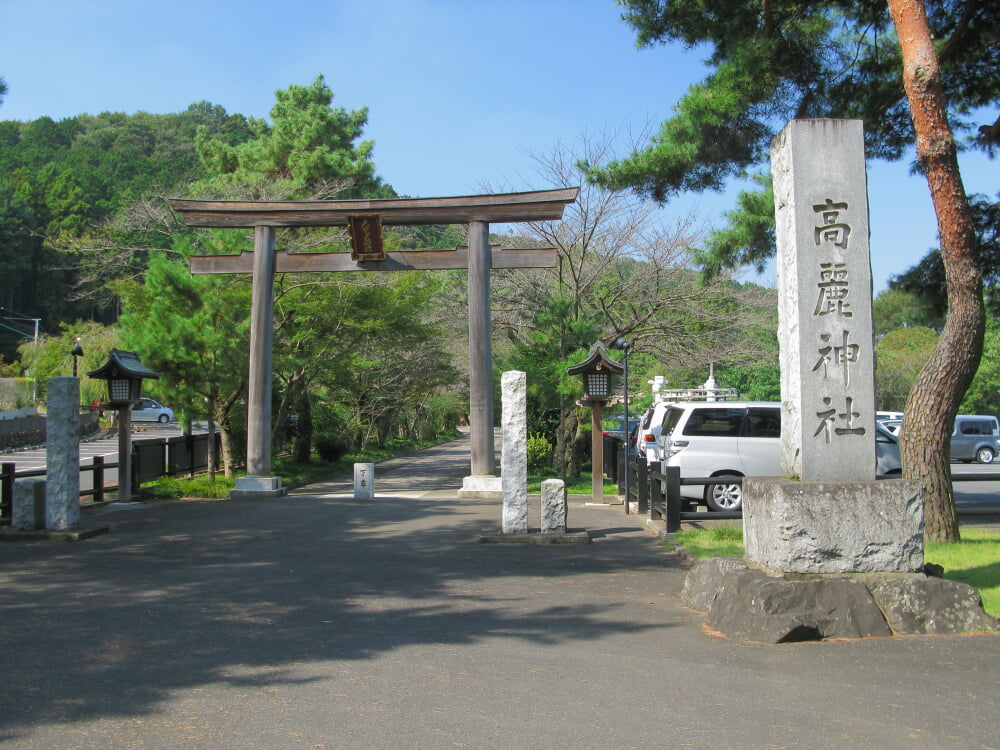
365, 218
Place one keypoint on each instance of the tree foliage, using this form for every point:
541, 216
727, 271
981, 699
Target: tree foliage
623, 270
777, 61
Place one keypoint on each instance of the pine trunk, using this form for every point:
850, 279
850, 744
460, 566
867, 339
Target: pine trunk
939, 388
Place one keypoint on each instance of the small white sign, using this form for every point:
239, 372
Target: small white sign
364, 482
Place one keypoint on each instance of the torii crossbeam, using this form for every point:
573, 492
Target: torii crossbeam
365, 218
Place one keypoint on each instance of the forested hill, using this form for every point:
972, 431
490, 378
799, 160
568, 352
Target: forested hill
61, 180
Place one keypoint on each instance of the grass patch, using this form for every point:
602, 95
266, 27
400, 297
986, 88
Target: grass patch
725, 540
975, 560
174, 488
581, 486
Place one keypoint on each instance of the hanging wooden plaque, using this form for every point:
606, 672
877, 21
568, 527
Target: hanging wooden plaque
366, 237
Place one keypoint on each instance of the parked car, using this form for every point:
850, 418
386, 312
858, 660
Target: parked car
892, 425
617, 428
714, 439
975, 438
650, 425
149, 410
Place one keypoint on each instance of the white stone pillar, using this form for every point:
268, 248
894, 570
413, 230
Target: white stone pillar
364, 482
553, 506
62, 454
825, 329
514, 456
28, 511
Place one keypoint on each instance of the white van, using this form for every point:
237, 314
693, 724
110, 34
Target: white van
712, 439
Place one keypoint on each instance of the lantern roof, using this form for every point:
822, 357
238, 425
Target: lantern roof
120, 363
597, 360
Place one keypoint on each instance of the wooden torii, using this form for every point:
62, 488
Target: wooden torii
364, 219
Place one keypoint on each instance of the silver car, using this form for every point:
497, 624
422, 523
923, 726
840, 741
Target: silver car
718, 439
149, 410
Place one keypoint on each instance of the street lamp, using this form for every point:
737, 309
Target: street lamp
77, 352
621, 343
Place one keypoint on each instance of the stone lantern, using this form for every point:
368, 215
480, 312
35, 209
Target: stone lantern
124, 372
597, 370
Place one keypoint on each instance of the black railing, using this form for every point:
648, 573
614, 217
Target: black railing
151, 458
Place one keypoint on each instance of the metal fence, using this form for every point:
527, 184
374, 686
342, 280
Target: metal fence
656, 489
151, 458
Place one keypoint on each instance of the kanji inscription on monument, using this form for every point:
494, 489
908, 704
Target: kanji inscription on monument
824, 307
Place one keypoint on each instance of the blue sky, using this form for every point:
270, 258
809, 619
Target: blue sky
460, 92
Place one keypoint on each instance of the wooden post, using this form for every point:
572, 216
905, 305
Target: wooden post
261, 336
597, 451
480, 352
125, 454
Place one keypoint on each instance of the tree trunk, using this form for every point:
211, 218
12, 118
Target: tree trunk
303, 428
939, 388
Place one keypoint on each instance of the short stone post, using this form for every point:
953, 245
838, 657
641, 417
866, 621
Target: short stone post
62, 454
514, 458
28, 511
364, 482
553, 506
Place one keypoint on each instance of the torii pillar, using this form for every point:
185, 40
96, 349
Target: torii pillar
365, 218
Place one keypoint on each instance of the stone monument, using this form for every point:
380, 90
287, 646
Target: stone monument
828, 515
62, 454
514, 456
829, 551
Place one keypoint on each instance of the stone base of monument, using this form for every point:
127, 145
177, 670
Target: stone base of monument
747, 604
831, 560
497, 536
489, 488
251, 488
833, 527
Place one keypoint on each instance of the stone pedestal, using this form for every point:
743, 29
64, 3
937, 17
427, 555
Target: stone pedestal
488, 487
833, 527
553, 506
249, 488
62, 454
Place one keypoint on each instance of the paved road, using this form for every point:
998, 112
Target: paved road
314, 621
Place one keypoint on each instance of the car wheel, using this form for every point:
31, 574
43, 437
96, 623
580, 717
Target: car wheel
724, 497
984, 456
163, 419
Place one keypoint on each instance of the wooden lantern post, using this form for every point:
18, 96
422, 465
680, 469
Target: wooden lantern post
124, 372
597, 370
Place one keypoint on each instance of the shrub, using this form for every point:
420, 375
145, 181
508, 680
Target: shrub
331, 448
539, 454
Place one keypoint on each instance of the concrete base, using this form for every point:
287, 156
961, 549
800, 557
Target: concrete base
496, 536
51, 535
833, 527
250, 488
486, 487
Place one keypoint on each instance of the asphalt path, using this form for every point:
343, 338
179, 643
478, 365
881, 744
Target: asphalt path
314, 621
